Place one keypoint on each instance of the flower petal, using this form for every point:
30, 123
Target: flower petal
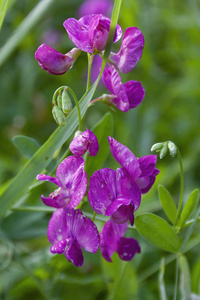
109, 237
57, 228
127, 248
96, 6
102, 190
78, 188
147, 164
83, 142
58, 199
125, 158
135, 93
145, 183
130, 52
118, 202
123, 214
74, 254
44, 177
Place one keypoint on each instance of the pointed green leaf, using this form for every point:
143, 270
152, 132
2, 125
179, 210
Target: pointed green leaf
26, 145
185, 280
157, 231
168, 204
189, 207
4, 4
102, 130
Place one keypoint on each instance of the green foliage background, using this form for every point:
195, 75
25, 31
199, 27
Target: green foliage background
169, 72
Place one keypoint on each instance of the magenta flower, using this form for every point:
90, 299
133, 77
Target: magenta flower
71, 180
55, 62
83, 142
95, 7
130, 52
112, 240
123, 96
142, 170
90, 33
113, 193
68, 231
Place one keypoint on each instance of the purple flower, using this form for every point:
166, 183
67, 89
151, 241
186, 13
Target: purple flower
112, 240
90, 33
71, 180
95, 7
123, 96
55, 62
130, 52
115, 194
141, 170
68, 231
83, 142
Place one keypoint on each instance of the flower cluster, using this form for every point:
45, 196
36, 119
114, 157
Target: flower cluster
90, 34
116, 194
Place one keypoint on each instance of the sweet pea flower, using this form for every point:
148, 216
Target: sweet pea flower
55, 62
112, 240
113, 193
90, 33
142, 170
68, 231
95, 7
71, 180
83, 142
123, 96
130, 52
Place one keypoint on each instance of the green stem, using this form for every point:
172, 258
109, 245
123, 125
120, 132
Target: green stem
176, 282
94, 215
181, 188
90, 59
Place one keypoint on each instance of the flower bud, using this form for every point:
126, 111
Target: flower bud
163, 151
157, 147
59, 101
58, 116
172, 148
66, 102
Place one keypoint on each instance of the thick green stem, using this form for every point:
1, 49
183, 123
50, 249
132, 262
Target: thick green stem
181, 188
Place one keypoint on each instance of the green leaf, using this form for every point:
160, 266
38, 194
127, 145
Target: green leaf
189, 207
157, 231
3, 9
196, 276
26, 145
102, 130
185, 280
168, 204
161, 280
120, 278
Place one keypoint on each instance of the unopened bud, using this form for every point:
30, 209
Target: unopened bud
66, 102
163, 151
58, 116
157, 147
172, 148
59, 101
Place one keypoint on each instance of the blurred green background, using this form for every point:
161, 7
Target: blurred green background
169, 71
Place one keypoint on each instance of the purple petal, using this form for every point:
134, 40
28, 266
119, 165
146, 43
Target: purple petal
58, 199
83, 142
96, 7
131, 50
57, 228
127, 248
123, 214
66, 170
59, 247
109, 237
135, 93
98, 32
102, 190
48, 178
125, 158
106, 77
53, 61
147, 165
113, 207
145, 183
96, 67
78, 188
78, 32
74, 254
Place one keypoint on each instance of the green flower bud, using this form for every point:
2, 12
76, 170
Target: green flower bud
172, 148
59, 101
163, 151
157, 147
58, 116
66, 102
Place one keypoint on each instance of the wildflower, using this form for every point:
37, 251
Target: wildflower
68, 231
71, 180
95, 7
90, 33
123, 96
142, 170
113, 193
130, 52
112, 240
55, 62
83, 142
